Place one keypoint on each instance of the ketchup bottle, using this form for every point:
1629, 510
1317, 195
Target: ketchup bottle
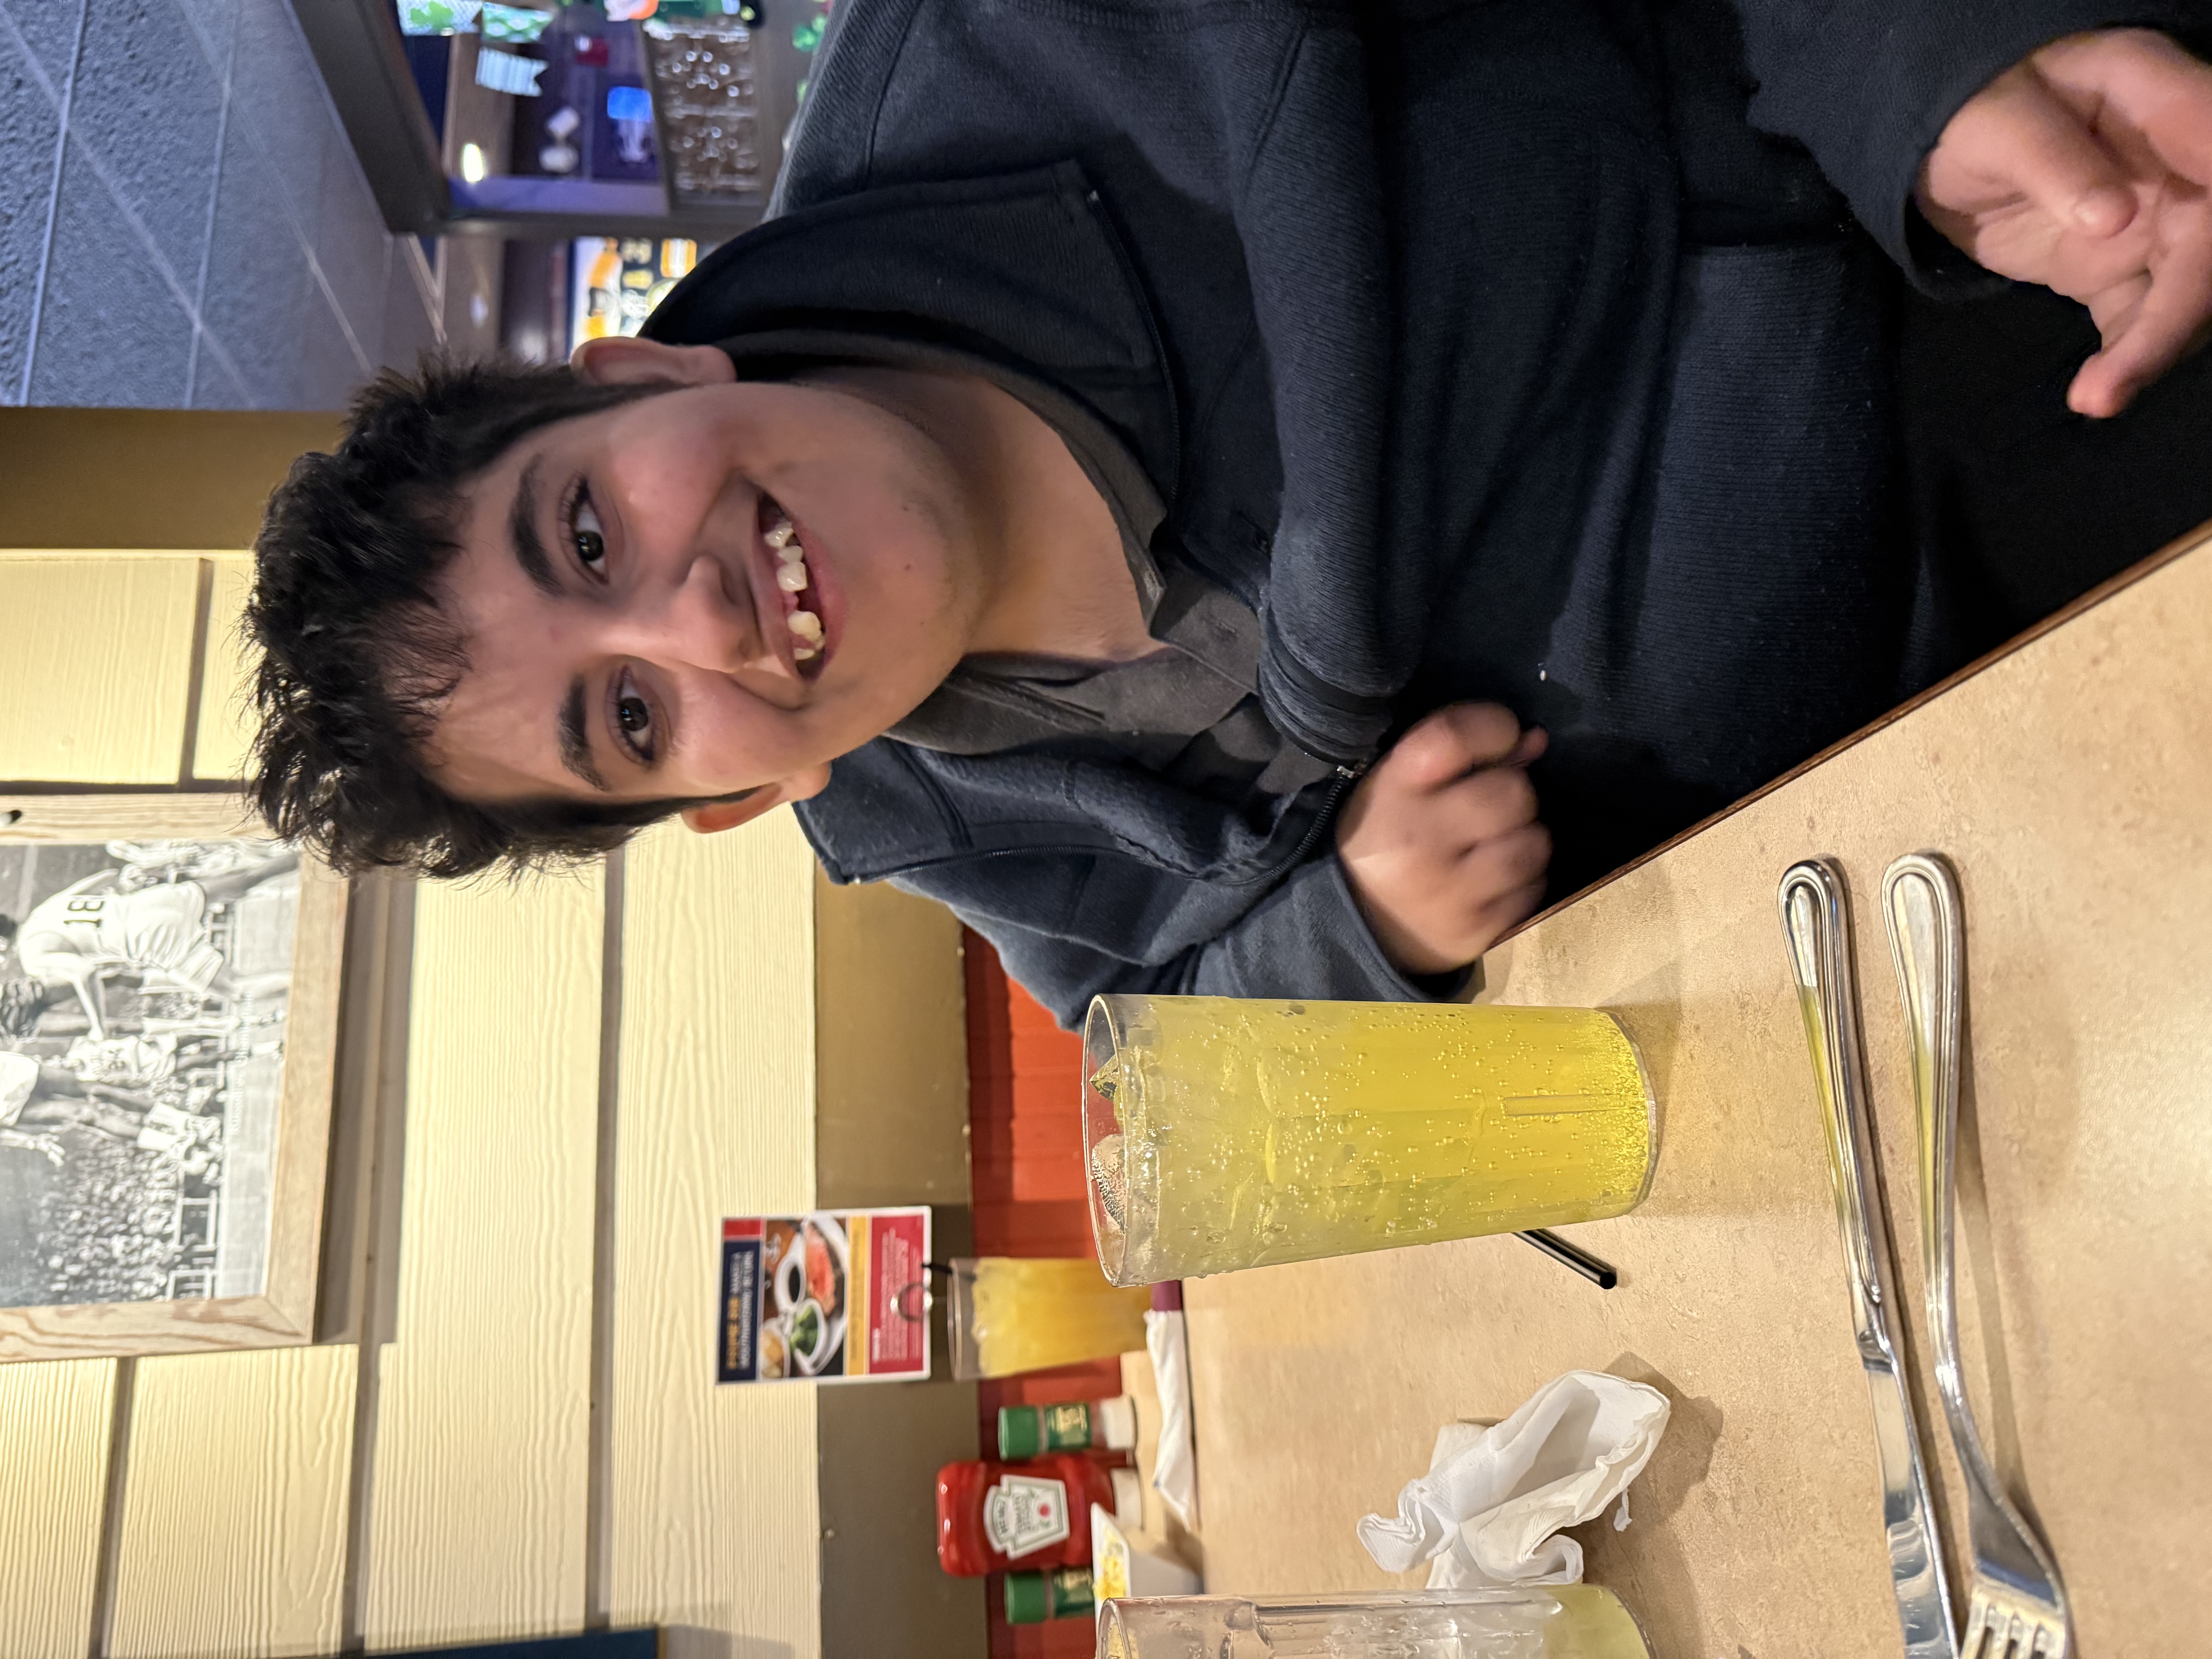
991, 1517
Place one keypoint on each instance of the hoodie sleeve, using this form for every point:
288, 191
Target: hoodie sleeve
1307, 938
1868, 85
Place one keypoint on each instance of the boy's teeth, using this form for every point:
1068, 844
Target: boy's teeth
806, 625
792, 578
804, 652
791, 553
779, 533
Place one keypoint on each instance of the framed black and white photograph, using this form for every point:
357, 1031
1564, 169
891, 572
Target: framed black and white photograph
168, 1015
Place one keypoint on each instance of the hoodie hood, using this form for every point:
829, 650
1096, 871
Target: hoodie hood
1024, 272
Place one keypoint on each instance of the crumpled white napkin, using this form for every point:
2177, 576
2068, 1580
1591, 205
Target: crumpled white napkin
1485, 1512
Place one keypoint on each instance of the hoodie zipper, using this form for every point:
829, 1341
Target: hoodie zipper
1346, 777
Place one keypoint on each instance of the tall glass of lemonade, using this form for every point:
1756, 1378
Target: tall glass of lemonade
1226, 1132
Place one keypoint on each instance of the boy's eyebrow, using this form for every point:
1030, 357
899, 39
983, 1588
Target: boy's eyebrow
522, 531
575, 746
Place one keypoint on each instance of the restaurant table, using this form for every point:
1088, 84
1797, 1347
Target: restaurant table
2070, 781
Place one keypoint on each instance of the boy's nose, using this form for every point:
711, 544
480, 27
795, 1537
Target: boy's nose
704, 620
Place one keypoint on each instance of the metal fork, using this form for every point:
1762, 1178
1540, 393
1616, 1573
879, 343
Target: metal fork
2015, 1604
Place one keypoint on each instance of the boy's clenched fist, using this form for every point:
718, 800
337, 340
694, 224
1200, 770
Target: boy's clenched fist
1440, 841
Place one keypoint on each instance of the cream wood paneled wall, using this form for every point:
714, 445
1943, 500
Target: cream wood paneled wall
238, 1469
97, 672
556, 1252
55, 1420
224, 736
486, 1391
714, 1520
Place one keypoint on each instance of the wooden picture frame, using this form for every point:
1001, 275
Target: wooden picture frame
287, 1165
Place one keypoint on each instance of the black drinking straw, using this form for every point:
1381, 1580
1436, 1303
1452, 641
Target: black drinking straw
1599, 1274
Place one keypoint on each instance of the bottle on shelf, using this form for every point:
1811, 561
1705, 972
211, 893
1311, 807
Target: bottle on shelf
1032, 1598
992, 1515
1069, 1425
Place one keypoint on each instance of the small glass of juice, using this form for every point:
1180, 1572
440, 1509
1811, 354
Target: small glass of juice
1225, 1133
1014, 1314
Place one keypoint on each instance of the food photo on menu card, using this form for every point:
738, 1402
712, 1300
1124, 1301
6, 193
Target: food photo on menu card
830, 1296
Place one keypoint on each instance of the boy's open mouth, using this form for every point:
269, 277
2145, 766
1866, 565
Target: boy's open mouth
796, 571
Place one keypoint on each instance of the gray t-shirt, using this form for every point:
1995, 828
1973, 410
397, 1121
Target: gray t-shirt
1189, 711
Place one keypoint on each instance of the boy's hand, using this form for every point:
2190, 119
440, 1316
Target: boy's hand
2085, 169
1440, 841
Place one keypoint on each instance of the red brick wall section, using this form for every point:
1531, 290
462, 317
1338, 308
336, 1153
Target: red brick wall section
1025, 1121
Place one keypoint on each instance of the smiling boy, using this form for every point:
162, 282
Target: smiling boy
694, 581
1164, 478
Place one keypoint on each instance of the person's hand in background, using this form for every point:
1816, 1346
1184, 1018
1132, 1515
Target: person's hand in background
2085, 169
1440, 840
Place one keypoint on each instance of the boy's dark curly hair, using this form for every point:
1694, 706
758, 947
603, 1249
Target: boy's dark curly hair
356, 656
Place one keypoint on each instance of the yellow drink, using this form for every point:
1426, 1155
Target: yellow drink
1593, 1624
1031, 1314
1231, 1134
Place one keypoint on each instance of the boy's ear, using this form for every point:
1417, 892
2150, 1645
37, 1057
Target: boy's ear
619, 360
729, 814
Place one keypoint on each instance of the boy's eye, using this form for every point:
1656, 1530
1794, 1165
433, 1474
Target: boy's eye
634, 716
584, 531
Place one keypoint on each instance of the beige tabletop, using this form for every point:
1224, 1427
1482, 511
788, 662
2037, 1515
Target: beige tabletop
2071, 782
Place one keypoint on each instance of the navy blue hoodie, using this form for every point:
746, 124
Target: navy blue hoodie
1533, 350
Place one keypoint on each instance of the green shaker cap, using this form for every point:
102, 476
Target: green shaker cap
1034, 1597
1029, 1598
1021, 1432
